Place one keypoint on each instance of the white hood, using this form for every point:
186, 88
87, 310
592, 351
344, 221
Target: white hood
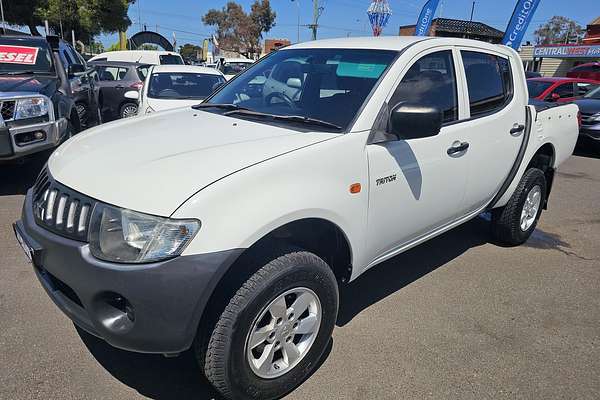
168, 104
152, 164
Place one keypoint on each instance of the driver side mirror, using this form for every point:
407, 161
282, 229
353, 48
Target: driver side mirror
554, 96
75, 69
414, 121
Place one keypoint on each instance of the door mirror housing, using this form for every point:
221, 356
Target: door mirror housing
75, 69
414, 121
554, 96
295, 83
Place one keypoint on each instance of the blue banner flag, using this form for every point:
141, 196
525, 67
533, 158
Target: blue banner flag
519, 21
425, 18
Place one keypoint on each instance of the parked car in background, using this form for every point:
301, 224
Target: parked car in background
42, 82
155, 57
172, 86
230, 67
116, 78
560, 90
589, 107
587, 71
532, 74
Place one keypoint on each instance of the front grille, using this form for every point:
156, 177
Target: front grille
586, 119
7, 109
61, 209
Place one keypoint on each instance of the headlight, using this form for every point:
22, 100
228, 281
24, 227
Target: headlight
595, 117
127, 236
31, 107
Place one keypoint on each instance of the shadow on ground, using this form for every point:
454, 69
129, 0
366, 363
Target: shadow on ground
180, 378
155, 376
587, 149
18, 177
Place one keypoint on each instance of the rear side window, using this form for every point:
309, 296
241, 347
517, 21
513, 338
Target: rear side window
489, 82
143, 72
112, 73
431, 81
170, 59
583, 88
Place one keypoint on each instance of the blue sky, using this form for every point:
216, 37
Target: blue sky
340, 17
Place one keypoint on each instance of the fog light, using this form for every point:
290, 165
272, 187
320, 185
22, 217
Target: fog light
25, 138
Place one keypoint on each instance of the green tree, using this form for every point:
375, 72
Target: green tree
190, 51
238, 31
559, 30
86, 17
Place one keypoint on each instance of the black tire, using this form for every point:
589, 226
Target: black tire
74, 124
124, 107
506, 221
225, 362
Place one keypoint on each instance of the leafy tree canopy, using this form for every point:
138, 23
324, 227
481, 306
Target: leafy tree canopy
238, 31
86, 17
559, 30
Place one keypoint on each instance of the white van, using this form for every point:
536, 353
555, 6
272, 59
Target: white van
155, 57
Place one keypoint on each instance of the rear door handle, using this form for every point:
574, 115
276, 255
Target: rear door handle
457, 147
517, 129
119, 86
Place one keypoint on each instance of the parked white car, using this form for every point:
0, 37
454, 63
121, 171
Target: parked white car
172, 86
154, 57
230, 67
229, 226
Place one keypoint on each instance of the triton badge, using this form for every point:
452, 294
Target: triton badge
385, 179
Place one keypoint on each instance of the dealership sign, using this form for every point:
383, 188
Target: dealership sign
18, 55
575, 51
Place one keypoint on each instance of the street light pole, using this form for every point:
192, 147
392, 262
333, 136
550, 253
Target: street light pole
2, 12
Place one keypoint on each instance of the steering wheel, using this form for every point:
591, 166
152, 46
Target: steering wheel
282, 96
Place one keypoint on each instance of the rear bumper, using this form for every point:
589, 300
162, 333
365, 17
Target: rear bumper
10, 149
149, 308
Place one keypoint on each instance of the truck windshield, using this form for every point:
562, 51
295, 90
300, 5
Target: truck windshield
170, 59
177, 85
25, 56
329, 85
536, 88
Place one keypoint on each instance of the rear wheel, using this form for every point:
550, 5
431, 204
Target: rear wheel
516, 221
128, 110
275, 328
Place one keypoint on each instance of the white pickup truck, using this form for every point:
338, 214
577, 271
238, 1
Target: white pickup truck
227, 227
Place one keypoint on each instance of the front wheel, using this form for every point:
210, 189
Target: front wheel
275, 329
516, 221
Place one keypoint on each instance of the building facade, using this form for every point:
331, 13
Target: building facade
447, 27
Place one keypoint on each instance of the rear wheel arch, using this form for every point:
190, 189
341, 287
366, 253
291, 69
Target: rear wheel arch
544, 159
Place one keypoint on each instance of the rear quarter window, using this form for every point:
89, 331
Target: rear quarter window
489, 82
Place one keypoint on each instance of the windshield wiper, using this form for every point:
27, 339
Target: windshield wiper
291, 118
18, 73
227, 106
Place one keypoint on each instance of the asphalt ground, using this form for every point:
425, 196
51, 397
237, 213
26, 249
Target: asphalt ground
456, 318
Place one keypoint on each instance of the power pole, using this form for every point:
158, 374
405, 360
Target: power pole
316, 14
472, 10
2, 12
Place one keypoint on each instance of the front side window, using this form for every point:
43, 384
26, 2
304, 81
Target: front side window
431, 81
593, 94
584, 87
233, 68
171, 85
564, 90
329, 85
489, 82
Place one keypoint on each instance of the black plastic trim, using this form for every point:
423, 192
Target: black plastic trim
517, 163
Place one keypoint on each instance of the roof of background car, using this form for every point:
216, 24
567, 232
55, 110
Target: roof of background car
186, 68
237, 60
562, 79
118, 63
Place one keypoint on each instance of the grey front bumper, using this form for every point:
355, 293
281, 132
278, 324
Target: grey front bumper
54, 132
166, 299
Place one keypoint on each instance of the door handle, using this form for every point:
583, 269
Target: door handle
457, 147
517, 129
119, 86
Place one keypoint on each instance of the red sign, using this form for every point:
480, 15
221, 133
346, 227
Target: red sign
18, 55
